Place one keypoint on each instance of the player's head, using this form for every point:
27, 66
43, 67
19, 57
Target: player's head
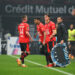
24, 18
59, 19
46, 17
71, 26
37, 20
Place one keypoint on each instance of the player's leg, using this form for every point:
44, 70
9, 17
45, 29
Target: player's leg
46, 54
23, 48
22, 59
23, 54
19, 61
27, 49
48, 57
43, 50
51, 45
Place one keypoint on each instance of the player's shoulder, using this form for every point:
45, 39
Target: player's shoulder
52, 23
21, 24
26, 24
37, 26
41, 25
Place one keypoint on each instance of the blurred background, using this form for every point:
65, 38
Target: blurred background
11, 12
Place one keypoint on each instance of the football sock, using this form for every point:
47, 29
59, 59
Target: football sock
50, 59
25, 54
47, 59
22, 58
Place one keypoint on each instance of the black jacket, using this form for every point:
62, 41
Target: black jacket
61, 33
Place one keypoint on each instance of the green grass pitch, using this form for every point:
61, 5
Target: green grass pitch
8, 66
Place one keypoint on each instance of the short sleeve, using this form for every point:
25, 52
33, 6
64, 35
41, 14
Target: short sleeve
53, 26
42, 28
27, 27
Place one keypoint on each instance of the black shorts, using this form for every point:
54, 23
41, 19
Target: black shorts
23, 46
44, 49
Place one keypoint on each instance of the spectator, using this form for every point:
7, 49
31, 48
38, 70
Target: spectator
71, 39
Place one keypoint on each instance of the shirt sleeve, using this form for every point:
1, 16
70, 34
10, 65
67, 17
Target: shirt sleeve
42, 28
53, 26
65, 33
27, 27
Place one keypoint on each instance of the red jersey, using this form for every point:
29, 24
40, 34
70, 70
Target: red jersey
47, 34
40, 30
49, 29
22, 28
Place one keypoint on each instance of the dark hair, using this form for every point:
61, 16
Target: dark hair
47, 15
37, 19
60, 17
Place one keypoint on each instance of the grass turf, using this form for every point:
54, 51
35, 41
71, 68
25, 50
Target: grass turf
8, 66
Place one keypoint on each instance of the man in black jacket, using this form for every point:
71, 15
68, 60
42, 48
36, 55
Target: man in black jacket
61, 31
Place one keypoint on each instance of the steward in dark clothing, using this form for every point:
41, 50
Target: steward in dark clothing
61, 33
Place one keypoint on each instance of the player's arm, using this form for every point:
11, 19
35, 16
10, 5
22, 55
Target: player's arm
65, 35
38, 29
44, 38
35, 34
53, 34
43, 29
53, 30
28, 34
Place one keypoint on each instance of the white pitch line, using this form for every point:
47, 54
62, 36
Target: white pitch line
44, 65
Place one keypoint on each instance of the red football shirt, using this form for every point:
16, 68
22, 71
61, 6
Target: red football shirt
47, 33
50, 27
40, 30
22, 28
